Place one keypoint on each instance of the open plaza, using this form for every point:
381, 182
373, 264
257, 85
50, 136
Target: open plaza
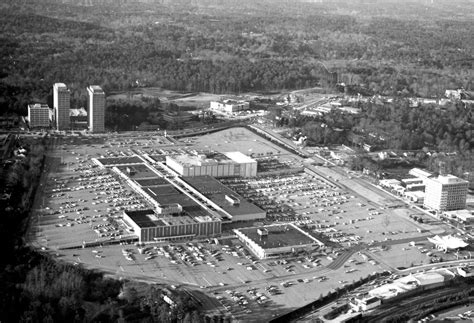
96, 189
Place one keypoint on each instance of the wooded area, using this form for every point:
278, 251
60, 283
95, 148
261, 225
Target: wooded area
397, 126
230, 49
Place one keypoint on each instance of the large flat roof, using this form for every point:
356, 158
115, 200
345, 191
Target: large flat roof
141, 218
449, 179
280, 235
216, 192
146, 182
138, 171
239, 157
111, 161
213, 158
168, 194
149, 219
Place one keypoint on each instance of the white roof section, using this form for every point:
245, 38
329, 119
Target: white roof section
38, 106
465, 215
407, 283
448, 242
390, 182
394, 289
231, 101
417, 194
449, 179
78, 112
417, 172
239, 157
96, 89
429, 277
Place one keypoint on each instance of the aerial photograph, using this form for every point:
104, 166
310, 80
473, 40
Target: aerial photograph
218, 161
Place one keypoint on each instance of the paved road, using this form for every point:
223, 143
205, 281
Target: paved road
344, 256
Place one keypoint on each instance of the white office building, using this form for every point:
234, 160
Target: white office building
61, 106
229, 106
228, 164
38, 115
96, 108
445, 193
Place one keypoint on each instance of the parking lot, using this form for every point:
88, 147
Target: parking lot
78, 202
242, 283
344, 217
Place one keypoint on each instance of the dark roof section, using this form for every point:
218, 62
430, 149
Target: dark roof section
216, 192
371, 300
141, 218
151, 182
119, 160
168, 194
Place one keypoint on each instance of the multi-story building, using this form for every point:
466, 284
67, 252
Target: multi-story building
214, 164
229, 106
61, 105
38, 115
150, 226
445, 193
96, 108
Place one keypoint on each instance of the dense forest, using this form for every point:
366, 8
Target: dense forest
411, 50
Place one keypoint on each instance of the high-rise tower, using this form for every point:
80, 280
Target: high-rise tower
96, 108
61, 105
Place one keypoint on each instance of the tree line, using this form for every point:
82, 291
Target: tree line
228, 51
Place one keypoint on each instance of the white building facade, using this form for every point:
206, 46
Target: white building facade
445, 193
229, 106
38, 115
230, 164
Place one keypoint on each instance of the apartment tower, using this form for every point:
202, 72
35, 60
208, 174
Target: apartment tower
96, 108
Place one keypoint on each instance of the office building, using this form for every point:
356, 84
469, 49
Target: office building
229, 106
229, 164
96, 108
61, 105
150, 226
277, 240
38, 115
445, 193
